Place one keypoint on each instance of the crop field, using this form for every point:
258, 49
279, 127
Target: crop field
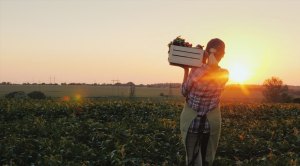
140, 131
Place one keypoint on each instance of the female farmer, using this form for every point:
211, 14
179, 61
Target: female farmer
200, 120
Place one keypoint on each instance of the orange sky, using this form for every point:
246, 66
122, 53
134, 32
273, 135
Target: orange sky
98, 41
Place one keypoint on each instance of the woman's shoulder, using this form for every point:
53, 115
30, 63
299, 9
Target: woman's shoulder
224, 73
220, 73
223, 70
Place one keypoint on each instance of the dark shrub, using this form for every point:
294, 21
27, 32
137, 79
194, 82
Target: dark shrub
37, 95
16, 95
296, 100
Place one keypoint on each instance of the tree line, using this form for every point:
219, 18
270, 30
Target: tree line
158, 85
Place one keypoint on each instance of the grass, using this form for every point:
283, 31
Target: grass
231, 94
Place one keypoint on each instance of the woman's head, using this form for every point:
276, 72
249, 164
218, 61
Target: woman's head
217, 47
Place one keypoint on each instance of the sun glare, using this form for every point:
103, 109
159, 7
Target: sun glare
239, 74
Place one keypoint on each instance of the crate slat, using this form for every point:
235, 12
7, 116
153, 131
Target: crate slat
187, 49
179, 61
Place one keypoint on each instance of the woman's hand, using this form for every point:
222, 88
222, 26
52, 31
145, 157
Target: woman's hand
184, 67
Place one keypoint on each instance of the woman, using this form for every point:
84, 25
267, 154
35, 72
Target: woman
200, 120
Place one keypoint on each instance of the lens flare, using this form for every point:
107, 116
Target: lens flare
239, 73
66, 98
77, 97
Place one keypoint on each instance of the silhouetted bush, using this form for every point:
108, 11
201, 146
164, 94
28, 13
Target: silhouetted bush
296, 100
37, 95
275, 91
16, 95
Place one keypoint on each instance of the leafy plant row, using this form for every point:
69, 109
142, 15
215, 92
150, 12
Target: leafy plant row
140, 131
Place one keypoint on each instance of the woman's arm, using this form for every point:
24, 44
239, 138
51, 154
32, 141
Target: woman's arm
184, 90
186, 73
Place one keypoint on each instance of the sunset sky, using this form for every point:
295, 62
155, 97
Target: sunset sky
99, 41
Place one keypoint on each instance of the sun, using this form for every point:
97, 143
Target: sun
239, 73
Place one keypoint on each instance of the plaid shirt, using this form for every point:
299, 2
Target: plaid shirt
202, 90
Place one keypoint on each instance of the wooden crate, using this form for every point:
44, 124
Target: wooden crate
185, 56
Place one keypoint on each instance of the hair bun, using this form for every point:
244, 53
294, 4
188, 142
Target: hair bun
216, 43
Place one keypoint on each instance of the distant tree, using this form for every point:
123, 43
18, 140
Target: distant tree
275, 91
37, 95
129, 83
5, 83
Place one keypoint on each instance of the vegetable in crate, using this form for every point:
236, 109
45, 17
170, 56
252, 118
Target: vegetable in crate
199, 46
180, 42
